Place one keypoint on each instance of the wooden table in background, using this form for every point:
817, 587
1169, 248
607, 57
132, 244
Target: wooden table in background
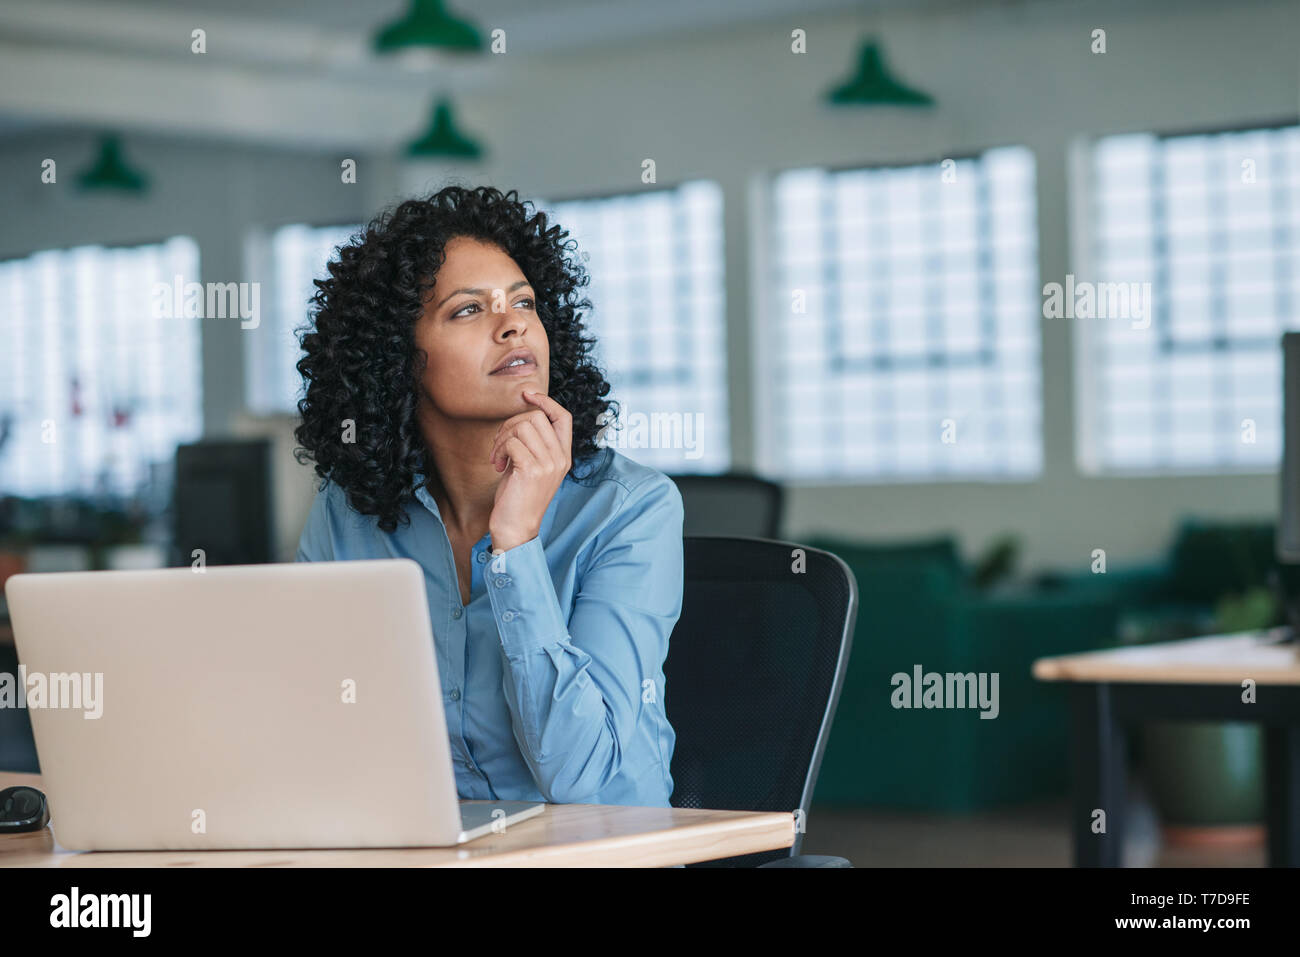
1197, 680
564, 835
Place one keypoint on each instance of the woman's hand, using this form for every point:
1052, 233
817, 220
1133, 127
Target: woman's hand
536, 448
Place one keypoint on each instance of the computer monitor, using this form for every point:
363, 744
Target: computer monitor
1288, 524
222, 503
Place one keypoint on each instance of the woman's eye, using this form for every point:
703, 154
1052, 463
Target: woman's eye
456, 315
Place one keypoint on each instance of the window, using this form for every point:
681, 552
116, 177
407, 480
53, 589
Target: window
292, 257
1206, 229
655, 261
99, 382
902, 335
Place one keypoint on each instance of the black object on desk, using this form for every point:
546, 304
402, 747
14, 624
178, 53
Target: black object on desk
23, 809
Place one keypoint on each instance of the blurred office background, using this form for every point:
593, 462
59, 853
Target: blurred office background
842, 299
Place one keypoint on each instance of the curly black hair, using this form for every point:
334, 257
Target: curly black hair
361, 363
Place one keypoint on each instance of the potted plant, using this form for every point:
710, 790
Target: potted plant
1206, 777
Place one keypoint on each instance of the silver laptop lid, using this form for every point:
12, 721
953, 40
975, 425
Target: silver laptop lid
265, 706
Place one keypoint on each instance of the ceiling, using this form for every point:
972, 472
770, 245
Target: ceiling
302, 73
553, 24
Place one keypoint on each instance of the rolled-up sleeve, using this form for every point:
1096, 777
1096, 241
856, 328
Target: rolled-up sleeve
577, 691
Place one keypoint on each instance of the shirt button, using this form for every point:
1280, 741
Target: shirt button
503, 581
508, 616
456, 613
482, 557
455, 694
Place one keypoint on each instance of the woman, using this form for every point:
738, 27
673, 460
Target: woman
553, 566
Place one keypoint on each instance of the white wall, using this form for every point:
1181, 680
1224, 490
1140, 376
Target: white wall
733, 107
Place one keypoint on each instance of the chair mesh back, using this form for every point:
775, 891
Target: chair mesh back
736, 505
753, 675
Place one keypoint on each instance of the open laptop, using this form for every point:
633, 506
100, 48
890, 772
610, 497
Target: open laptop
245, 706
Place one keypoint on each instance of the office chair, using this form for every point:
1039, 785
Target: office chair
735, 504
754, 670
222, 502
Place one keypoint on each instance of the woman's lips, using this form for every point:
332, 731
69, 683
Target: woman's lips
528, 368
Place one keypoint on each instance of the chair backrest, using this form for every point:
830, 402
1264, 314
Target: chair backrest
753, 675
223, 502
735, 504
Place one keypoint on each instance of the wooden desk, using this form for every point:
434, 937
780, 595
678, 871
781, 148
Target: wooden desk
1202, 679
564, 835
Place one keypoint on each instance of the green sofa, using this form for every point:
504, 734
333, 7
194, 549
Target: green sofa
917, 606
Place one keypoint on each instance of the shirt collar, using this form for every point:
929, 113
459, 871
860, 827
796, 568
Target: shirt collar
422, 494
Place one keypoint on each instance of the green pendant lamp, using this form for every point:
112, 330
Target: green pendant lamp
443, 139
428, 24
110, 171
875, 85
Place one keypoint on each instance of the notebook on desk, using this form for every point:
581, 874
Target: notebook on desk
254, 706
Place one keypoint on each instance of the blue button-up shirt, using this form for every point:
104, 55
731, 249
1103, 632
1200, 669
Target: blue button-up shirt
552, 675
